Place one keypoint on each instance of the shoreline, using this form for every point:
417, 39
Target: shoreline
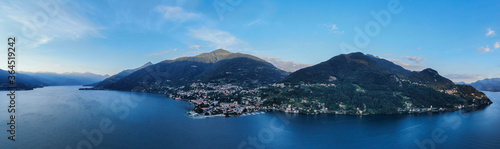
200, 116
195, 115
265, 110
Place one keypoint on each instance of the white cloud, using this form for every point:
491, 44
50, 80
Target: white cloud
176, 13
289, 66
333, 27
497, 45
415, 59
217, 39
37, 25
484, 49
490, 32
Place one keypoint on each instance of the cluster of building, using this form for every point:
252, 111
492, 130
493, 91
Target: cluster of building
207, 107
283, 85
211, 99
314, 108
203, 91
419, 110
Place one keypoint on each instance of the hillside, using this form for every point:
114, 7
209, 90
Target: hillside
357, 83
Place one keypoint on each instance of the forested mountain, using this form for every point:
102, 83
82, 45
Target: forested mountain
219, 66
357, 83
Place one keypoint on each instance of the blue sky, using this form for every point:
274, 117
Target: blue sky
457, 38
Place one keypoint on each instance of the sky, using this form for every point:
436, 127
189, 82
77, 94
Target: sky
457, 38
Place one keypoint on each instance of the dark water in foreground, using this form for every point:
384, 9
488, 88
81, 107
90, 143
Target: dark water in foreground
54, 117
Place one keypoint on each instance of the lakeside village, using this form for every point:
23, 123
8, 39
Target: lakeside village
212, 100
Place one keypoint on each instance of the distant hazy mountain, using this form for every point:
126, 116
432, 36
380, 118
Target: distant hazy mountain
374, 84
56, 79
30, 80
219, 66
23, 81
492, 85
119, 76
289, 66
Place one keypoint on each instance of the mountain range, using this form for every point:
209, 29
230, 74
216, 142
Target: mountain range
65, 79
349, 83
490, 84
354, 83
23, 82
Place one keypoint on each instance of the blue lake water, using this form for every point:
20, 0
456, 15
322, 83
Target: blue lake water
55, 117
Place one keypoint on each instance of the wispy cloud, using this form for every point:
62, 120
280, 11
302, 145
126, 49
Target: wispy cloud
484, 49
490, 32
176, 13
414, 59
413, 67
217, 39
254, 22
289, 66
59, 21
42, 40
195, 52
497, 45
195, 47
162, 52
333, 28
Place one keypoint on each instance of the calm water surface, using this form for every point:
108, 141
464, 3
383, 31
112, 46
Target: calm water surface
55, 117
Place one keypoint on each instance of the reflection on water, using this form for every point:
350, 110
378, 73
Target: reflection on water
55, 117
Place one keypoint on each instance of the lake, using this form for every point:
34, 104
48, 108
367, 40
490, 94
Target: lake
59, 117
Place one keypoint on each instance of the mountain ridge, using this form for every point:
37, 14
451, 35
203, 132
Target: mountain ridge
354, 83
205, 67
